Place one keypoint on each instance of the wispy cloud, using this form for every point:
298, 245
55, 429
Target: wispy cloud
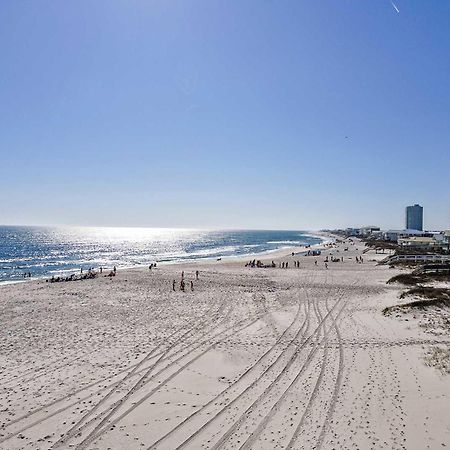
395, 7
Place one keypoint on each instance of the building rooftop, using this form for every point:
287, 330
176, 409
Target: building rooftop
421, 239
405, 231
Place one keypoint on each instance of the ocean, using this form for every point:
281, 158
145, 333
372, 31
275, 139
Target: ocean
46, 251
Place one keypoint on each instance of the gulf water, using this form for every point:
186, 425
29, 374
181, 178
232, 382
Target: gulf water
50, 251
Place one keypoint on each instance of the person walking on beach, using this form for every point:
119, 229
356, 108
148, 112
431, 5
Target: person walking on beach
173, 285
182, 274
182, 285
287, 264
114, 270
196, 274
192, 285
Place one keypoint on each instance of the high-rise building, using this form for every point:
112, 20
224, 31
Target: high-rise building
414, 217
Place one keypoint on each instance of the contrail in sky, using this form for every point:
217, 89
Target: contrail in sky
395, 7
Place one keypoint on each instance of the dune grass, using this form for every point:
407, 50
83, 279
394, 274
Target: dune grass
430, 297
405, 278
411, 279
439, 358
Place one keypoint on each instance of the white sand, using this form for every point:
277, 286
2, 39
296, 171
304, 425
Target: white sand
252, 358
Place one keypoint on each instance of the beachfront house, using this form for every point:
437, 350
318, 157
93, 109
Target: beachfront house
362, 232
443, 239
446, 235
395, 235
417, 242
368, 231
351, 232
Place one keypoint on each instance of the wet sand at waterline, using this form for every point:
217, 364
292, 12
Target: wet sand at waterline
251, 358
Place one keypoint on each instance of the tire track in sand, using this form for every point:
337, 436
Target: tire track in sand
98, 431
233, 386
272, 411
299, 335
113, 385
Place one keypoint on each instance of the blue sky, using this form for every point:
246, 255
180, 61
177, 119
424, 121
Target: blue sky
254, 114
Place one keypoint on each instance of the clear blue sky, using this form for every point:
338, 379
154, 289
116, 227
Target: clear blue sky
224, 113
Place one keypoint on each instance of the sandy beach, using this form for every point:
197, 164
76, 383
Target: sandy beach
251, 358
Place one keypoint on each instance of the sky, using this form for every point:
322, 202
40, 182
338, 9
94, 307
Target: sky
293, 114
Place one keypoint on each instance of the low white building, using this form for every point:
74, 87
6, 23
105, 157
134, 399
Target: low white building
417, 242
394, 235
446, 237
353, 232
443, 238
367, 231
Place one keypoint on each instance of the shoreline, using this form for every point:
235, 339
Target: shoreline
278, 252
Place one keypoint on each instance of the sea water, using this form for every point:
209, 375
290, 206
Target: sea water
50, 251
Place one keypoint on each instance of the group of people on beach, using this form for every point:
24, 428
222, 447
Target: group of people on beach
334, 259
281, 265
183, 283
85, 274
259, 264
285, 265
